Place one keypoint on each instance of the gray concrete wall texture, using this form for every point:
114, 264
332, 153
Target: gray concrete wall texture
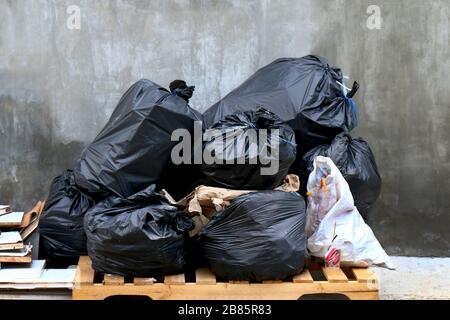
58, 86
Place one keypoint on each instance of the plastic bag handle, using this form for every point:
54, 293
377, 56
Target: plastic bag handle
354, 90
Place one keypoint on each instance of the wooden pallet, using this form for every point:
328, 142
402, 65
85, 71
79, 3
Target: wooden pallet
355, 283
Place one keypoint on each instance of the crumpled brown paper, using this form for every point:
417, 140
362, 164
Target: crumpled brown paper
202, 203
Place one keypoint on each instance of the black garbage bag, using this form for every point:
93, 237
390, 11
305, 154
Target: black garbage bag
140, 236
260, 236
356, 162
238, 153
303, 91
61, 222
181, 180
134, 148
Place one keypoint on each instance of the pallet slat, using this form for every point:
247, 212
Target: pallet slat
175, 279
144, 281
205, 276
304, 277
113, 280
225, 291
26, 259
334, 274
85, 273
364, 274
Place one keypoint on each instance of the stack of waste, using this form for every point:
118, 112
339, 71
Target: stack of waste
131, 153
241, 208
311, 97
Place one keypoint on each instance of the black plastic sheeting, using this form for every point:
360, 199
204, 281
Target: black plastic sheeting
134, 148
260, 236
256, 155
61, 221
302, 91
139, 236
356, 162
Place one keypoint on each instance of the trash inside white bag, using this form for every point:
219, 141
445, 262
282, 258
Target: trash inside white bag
330, 211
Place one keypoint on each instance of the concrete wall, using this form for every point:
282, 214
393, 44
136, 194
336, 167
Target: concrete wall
59, 86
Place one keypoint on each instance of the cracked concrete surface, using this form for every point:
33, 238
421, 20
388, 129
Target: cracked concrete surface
415, 278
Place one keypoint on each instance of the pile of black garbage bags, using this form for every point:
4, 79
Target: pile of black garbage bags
110, 206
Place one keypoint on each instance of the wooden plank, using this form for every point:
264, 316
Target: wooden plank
205, 276
26, 259
228, 291
9, 237
364, 274
85, 273
175, 279
12, 246
41, 207
31, 215
27, 231
155, 292
113, 280
12, 219
22, 272
304, 277
334, 274
30, 220
144, 281
50, 278
48, 294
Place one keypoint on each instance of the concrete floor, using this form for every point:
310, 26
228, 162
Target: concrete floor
415, 278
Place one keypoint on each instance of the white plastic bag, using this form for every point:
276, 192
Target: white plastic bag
331, 211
